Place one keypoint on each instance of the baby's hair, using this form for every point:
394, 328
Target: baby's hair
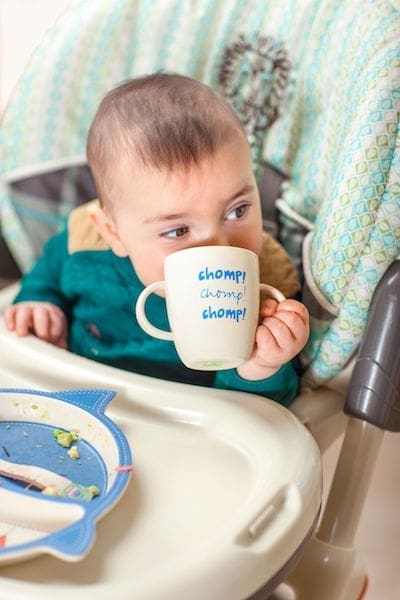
163, 120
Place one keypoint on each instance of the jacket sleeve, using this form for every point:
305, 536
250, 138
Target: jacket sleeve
281, 387
44, 282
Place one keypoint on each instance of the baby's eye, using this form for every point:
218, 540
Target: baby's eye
175, 233
238, 212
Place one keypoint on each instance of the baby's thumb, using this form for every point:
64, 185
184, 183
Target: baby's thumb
268, 307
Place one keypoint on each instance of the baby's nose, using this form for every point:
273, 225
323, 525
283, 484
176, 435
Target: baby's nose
218, 238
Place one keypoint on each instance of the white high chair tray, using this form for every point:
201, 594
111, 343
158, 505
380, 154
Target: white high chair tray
226, 487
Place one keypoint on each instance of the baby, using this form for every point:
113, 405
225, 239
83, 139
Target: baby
173, 169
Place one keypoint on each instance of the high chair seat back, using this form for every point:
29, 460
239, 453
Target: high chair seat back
330, 68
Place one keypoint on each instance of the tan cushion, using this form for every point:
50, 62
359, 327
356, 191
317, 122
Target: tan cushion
277, 269
82, 234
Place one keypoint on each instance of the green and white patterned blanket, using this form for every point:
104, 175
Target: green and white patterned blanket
336, 139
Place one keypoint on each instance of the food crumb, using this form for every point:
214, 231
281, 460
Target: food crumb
65, 438
94, 490
73, 453
74, 491
50, 491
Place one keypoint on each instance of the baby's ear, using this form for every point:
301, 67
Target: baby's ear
106, 228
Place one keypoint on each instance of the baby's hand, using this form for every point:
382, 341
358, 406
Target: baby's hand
281, 334
43, 319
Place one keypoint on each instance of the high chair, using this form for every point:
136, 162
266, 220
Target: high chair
322, 123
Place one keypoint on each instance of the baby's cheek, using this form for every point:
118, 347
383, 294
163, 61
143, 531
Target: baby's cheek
148, 269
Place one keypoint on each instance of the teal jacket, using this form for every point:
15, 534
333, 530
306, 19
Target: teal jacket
97, 291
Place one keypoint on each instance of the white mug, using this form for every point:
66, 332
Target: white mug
213, 302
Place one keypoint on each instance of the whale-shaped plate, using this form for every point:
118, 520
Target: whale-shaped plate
33, 523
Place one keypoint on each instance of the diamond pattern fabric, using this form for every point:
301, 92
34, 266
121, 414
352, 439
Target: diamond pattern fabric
337, 136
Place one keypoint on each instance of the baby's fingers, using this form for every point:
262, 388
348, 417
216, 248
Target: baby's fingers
22, 320
295, 307
295, 323
9, 317
58, 328
273, 328
49, 324
42, 322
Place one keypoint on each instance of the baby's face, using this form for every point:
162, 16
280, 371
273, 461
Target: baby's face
214, 203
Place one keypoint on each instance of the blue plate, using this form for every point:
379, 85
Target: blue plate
31, 522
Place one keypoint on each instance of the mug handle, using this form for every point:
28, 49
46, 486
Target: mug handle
144, 323
272, 292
